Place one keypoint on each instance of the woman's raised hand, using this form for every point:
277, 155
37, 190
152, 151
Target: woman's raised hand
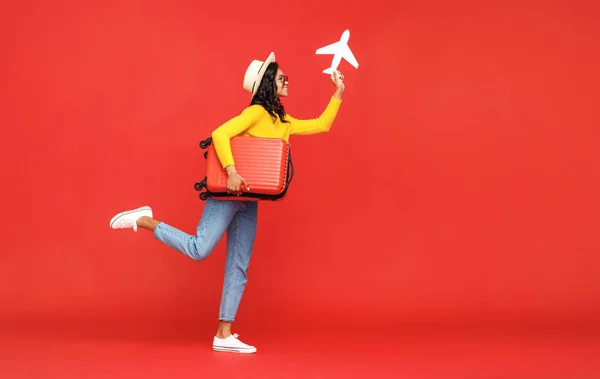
338, 80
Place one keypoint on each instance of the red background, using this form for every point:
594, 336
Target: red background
459, 183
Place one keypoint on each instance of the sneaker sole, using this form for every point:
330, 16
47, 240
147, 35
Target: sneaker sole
144, 208
233, 350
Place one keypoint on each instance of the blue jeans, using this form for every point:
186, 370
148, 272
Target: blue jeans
238, 218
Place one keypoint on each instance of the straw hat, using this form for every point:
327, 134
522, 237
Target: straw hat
255, 72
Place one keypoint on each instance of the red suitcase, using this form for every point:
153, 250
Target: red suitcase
265, 164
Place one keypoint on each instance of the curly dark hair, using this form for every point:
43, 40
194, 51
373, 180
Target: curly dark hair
266, 95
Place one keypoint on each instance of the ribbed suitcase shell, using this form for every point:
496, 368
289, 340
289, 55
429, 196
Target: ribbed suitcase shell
262, 162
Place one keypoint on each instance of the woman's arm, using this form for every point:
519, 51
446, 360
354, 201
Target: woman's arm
222, 135
316, 125
323, 123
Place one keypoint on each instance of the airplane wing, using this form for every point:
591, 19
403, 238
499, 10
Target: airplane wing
347, 55
329, 49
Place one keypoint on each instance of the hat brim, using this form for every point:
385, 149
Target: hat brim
261, 72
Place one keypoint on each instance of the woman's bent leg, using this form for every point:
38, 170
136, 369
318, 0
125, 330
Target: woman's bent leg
215, 220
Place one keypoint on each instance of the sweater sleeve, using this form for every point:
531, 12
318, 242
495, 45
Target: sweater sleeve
317, 125
237, 125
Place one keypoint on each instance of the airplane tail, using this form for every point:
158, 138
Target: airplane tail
328, 71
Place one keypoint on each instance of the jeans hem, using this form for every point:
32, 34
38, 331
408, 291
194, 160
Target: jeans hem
155, 232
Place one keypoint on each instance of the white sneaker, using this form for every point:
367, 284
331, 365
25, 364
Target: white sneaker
127, 219
231, 344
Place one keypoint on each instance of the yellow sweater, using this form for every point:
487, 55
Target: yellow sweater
255, 121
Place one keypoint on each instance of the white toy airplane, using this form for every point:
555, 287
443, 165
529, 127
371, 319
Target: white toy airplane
339, 50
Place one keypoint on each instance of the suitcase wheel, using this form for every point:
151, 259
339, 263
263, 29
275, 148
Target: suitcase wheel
203, 196
204, 144
199, 185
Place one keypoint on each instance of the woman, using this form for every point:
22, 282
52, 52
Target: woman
265, 117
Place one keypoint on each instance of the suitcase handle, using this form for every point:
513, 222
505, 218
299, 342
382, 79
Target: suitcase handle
290, 168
